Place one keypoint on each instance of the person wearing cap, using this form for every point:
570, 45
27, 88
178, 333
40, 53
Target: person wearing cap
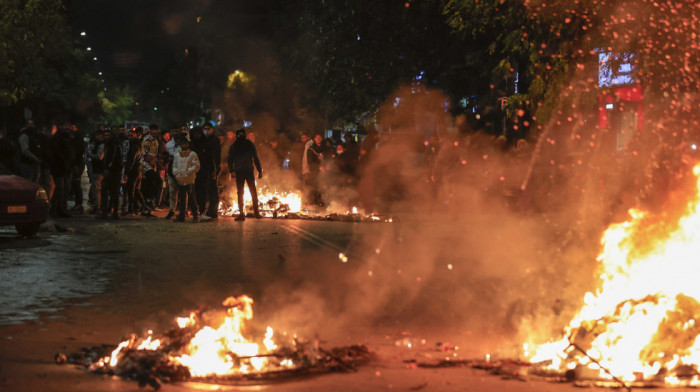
242, 158
185, 167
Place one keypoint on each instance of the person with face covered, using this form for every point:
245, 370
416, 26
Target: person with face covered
210, 159
242, 158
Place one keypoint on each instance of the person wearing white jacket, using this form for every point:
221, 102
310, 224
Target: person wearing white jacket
185, 168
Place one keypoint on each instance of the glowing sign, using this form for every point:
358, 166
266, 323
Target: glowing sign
615, 69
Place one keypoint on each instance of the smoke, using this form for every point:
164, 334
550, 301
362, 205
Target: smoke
488, 239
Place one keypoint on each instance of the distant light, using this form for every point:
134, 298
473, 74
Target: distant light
89, 48
358, 37
609, 106
247, 124
478, 116
94, 58
155, 108
99, 73
694, 146
82, 33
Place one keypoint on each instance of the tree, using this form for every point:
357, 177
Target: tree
351, 55
42, 66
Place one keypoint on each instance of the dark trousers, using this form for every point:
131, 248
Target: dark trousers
109, 194
207, 189
241, 179
95, 192
60, 194
77, 186
185, 197
152, 186
133, 190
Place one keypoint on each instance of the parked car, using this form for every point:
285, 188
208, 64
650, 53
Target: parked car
23, 204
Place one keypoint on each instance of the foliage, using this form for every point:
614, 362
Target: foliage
117, 105
352, 54
42, 62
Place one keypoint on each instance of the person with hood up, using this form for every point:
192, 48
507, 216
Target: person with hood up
185, 167
241, 157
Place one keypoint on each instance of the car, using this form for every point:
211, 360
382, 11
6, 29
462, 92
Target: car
23, 204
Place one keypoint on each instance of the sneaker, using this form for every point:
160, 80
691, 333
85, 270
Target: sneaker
258, 216
147, 214
78, 209
170, 214
93, 211
205, 217
195, 219
240, 218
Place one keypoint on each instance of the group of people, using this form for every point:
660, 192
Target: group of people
139, 170
133, 172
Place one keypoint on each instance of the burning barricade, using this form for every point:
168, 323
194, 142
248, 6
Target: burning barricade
641, 327
289, 205
197, 351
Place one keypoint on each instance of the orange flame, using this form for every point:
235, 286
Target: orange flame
643, 321
215, 351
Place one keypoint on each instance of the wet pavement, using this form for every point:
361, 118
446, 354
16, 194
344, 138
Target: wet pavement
86, 282
42, 275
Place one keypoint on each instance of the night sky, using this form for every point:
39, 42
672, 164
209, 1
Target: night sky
133, 39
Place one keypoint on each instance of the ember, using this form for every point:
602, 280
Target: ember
194, 351
642, 325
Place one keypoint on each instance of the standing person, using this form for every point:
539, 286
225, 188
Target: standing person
29, 160
200, 183
62, 156
95, 161
44, 138
151, 185
241, 158
211, 167
185, 167
132, 172
112, 176
78, 168
172, 147
297, 154
314, 160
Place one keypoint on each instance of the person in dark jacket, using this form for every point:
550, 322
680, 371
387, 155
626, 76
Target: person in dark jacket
62, 161
210, 160
132, 172
78, 168
111, 177
29, 157
241, 157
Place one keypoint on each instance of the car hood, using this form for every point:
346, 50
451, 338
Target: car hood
13, 188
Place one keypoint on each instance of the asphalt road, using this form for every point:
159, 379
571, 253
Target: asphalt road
85, 282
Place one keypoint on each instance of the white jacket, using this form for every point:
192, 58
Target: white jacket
185, 168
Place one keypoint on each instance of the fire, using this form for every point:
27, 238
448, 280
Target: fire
642, 324
272, 203
214, 351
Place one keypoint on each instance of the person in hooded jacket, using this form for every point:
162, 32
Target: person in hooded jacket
242, 157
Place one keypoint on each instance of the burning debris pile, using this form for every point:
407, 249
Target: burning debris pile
288, 205
641, 327
195, 351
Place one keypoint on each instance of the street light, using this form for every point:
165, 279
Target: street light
82, 34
